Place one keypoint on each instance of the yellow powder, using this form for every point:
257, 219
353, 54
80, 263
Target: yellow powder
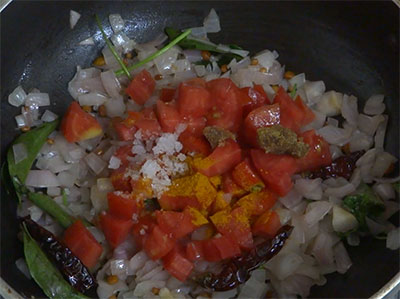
216, 181
197, 218
221, 218
220, 202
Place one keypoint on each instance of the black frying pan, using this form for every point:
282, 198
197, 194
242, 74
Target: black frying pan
352, 46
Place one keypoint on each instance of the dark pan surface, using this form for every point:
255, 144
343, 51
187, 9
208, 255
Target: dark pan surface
352, 46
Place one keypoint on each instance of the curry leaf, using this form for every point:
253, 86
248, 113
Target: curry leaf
48, 205
44, 273
293, 91
33, 141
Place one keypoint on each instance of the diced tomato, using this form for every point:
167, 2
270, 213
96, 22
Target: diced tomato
158, 243
211, 252
194, 250
142, 229
245, 176
178, 224
265, 116
227, 110
221, 160
267, 225
235, 225
308, 115
122, 204
257, 203
149, 127
177, 265
167, 94
193, 98
82, 244
229, 185
192, 144
194, 126
253, 97
168, 116
115, 229
119, 181
141, 87
226, 247
124, 131
275, 170
78, 125
177, 202
293, 116
318, 155
123, 153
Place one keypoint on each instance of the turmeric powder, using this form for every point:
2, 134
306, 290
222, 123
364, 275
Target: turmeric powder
197, 218
220, 203
216, 181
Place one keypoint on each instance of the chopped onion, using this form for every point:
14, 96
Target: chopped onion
342, 259
111, 62
165, 61
41, 179
340, 191
200, 70
330, 103
342, 220
332, 122
199, 32
193, 55
17, 97
297, 80
393, 239
49, 116
308, 188
21, 121
245, 62
360, 141
95, 163
388, 180
211, 22
369, 124
98, 199
353, 239
335, 151
92, 99
380, 133
292, 199
335, 135
242, 53
87, 42
350, 109
374, 105
313, 90
374, 227
122, 42
22, 266
111, 83
284, 265
137, 262
20, 152
96, 233
316, 211
317, 123
265, 58
202, 233
73, 18
322, 249
85, 85
115, 107
39, 99
116, 22
382, 163
384, 190
66, 179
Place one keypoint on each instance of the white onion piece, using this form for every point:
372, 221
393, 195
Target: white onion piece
211, 22
90, 72
21, 121
335, 135
316, 211
298, 80
342, 259
95, 163
369, 124
41, 179
332, 122
73, 18
92, 99
335, 151
39, 99
137, 262
49, 116
393, 239
330, 103
96, 233
165, 61
292, 199
202, 233
23, 267
115, 107
391, 208
340, 191
317, 123
98, 199
265, 58
86, 85
308, 188
350, 109
199, 32
104, 185
353, 239
192, 55
382, 163
111, 62
384, 190
87, 42
322, 249
242, 53
116, 22
20, 152
125, 251
111, 83
360, 141
342, 220
17, 97
374, 105
245, 62
380, 133
200, 70
122, 42
374, 227
313, 90
145, 287
53, 191
388, 180
284, 265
